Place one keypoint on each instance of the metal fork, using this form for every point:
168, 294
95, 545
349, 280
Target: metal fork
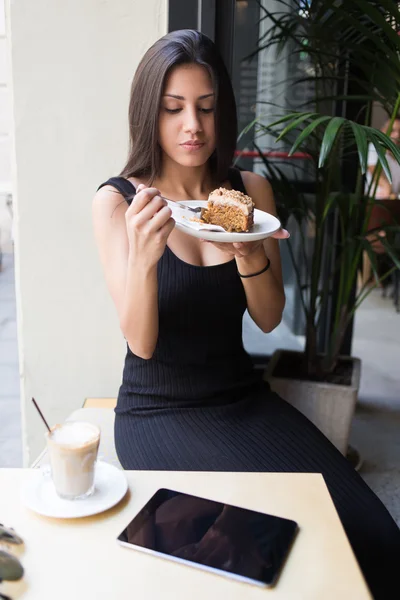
195, 209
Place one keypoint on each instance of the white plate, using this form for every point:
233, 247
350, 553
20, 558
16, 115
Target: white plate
40, 495
264, 226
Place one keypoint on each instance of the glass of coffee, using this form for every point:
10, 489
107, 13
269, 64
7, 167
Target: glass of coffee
72, 449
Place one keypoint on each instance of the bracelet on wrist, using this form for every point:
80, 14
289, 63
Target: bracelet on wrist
258, 272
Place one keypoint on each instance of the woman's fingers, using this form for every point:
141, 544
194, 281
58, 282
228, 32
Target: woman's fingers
237, 248
149, 210
227, 248
281, 234
159, 219
142, 199
167, 228
244, 249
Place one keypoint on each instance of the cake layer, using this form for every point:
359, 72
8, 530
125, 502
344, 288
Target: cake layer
231, 209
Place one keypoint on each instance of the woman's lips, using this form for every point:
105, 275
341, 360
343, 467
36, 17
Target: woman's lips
190, 147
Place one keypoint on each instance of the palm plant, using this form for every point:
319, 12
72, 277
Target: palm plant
334, 36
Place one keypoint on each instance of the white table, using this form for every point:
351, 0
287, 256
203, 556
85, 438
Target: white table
79, 559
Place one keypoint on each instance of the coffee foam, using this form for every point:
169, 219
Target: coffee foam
73, 434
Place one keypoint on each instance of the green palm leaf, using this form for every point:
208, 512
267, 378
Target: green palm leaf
307, 132
362, 144
374, 138
329, 138
297, 121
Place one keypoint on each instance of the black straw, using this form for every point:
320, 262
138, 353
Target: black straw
40, 413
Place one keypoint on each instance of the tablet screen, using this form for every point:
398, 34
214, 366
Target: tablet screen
232, 541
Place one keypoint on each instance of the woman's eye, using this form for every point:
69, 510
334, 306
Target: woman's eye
174, 111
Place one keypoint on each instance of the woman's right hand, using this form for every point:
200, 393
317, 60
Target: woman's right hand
148, 225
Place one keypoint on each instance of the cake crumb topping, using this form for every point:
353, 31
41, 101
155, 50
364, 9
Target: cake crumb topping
233, 195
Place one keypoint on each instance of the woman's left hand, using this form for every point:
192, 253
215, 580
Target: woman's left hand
241, 249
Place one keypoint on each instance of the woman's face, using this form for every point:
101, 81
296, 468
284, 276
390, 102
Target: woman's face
395, 133
186, 121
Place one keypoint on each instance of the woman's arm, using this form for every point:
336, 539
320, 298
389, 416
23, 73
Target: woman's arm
265, 293
384, 189
130, 242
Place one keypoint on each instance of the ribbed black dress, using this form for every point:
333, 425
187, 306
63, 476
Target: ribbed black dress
198, 405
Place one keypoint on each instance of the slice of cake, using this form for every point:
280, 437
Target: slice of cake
232, 210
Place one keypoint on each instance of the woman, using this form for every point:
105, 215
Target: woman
385, 188
190, 399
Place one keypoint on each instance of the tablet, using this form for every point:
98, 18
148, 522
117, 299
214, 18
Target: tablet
235, 542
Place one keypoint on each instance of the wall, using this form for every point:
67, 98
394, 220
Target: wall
5, 145
5, 109
379, 116
72, 65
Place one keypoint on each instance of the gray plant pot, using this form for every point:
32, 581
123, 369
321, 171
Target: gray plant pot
329, 406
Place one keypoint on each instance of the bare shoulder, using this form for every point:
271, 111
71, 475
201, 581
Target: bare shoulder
260, 190
108, 202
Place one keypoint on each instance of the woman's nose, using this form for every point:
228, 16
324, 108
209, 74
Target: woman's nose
192, 121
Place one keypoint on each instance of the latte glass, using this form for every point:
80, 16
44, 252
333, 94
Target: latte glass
72, 449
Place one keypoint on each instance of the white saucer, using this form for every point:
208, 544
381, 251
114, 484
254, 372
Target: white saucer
264, 226
40, 495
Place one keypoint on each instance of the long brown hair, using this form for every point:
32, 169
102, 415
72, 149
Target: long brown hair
186, 46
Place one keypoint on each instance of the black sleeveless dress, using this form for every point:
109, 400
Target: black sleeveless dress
198, 405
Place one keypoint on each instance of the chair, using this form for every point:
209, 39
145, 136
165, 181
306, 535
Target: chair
100, 403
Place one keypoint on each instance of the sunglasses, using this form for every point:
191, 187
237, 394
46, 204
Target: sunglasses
10, 567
